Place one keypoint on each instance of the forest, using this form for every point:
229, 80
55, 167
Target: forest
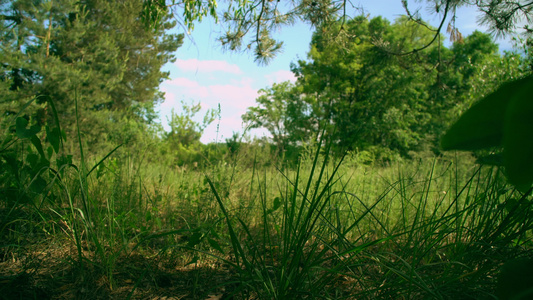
399, 163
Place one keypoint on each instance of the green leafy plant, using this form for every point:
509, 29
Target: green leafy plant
502, 119
38, 175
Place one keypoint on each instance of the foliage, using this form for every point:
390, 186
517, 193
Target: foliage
23, 178
182, 141
349, 80
420, 243
41, 177
284, 113
94, 52
234, 143
504, 16
502, 119
154, 11
365, 96
184, 129
260, 18
481, 126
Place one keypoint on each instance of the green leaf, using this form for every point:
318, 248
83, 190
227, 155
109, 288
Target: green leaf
64, 160
24, 133
37, 144
49, 151
214, 233
482, 126
493, 159
516, 279
276, 205
8, 138
192, 261
518, 135
148, 216
215, 245
33, 160
38, 185
503, 118
53, 136
195, 239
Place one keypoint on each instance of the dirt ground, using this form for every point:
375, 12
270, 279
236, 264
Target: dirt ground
50, 272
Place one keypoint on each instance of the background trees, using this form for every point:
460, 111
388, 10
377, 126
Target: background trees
93, 55
371, 96
182, 142
284, 112
366, 96
184, 129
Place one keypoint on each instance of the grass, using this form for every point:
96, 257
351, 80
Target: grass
128, 228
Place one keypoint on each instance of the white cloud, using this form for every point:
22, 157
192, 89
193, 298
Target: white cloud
207, 66
170, 100
239, 95
183, 82
234, 98
280, 76
190, 88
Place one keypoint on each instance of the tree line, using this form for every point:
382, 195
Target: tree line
365, 97
99, 62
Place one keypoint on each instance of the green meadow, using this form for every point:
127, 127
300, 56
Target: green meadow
130, 228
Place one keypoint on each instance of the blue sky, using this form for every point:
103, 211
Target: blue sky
204, 73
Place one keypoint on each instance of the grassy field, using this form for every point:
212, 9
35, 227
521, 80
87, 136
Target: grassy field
131, 228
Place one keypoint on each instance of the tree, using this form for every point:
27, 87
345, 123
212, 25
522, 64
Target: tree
184, 130
283, 111
182, 141
94, 59
366, 95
